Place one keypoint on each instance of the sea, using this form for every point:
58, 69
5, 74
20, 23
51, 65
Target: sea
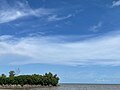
77, 87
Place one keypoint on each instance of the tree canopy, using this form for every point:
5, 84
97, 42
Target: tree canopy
48, 79
11, 73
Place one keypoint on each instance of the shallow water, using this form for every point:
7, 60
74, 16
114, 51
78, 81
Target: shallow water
76, 87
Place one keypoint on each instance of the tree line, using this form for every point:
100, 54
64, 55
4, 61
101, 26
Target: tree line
48, 79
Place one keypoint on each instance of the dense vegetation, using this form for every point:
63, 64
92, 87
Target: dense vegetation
48, 79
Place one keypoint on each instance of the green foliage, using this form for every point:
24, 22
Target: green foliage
48, 79
11, 73
3, 75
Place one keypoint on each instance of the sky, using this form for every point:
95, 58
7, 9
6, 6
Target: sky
76, 39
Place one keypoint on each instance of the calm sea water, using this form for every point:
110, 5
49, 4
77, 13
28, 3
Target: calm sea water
77, 87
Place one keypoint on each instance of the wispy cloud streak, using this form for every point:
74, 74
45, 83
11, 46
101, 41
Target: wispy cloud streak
21, 8
100, 50
18, 10
56, 18
96, 27
116, 3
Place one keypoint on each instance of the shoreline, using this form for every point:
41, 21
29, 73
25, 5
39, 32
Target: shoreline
14, 87
23, 87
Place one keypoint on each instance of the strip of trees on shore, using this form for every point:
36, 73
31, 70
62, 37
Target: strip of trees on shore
48, 79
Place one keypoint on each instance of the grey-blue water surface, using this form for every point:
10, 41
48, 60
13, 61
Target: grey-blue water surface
78, 87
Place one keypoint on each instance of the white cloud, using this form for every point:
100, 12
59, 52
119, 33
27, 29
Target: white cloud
56, 18
116, 3
95, 28
19, 9
104, 50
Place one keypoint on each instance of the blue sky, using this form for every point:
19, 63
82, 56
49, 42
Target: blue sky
77, 39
